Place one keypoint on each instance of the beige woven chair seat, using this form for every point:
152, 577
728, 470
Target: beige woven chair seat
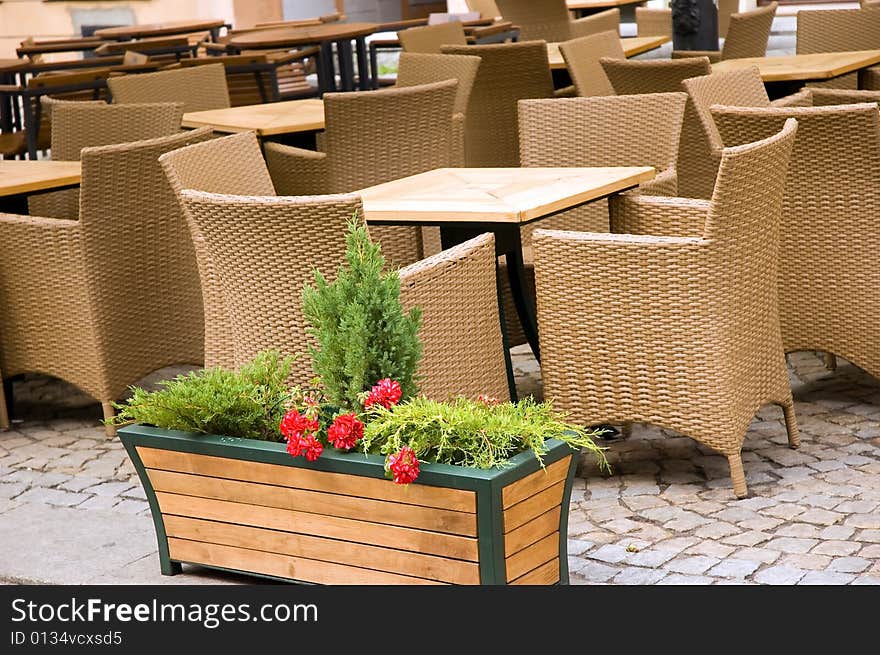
681, 332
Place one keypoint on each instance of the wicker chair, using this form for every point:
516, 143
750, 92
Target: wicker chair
693, 343
77, 125
234, 165
602, 131
653, 22
841, 30
582, 60
747, 36
463, 353
726, 9
830, 213
661, 76
103, 301
508, 72
741, 88
413, 132
431, 38
414, 69
550, 20
198, 89
263, 250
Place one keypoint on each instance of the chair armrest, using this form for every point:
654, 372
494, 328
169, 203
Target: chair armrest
665, 183
658, 215
713, 55
566, 92
803, 98
296, 171
490, 30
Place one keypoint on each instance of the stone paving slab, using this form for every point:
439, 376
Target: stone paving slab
72, 509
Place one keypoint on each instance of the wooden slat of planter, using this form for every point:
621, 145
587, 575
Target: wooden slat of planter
533, 531
419, 541
389, 560
537, 481
533, 556
289, 476
316, 502
543, 575
532, 507
282, 566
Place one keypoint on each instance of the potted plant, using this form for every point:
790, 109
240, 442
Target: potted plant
356, 479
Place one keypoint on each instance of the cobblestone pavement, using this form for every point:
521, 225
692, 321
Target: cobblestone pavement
666, 515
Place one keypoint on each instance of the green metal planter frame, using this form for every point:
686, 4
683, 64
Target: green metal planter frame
486, 483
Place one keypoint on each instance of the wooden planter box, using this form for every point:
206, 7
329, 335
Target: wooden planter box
247, 506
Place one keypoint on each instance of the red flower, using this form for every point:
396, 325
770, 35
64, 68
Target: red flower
295, 446
488, 400
295, 425
404, 466
345, 431
385, 392
312, 448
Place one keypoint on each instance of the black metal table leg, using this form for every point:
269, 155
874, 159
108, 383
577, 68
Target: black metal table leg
508, 242
326, 69
364, 81
346, 67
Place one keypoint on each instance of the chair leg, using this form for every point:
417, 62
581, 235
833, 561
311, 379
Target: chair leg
4, 414
737, 475
791, 426
830, 361
109, 414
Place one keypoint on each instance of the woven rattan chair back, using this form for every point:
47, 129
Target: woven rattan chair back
418, 68
830, 212
653, 22
748, 33
738, 88
140, 257
582, 60
538, 19
198, 89
77, 125
841, 30
431, 38
602, 21
726, 8
462, 349
705, 376
639, 130
233, 165
264, 249
825, 97
508, 72
415, 68
659, 76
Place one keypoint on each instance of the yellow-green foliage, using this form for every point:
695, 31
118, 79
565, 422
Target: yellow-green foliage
471, 433
247, 403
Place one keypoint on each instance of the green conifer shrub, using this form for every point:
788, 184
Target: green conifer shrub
362, 331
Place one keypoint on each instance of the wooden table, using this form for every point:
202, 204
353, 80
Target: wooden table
20, 179
169, 28
587, 7
269, 119
325, 35
466, 202
632, 46
787, 74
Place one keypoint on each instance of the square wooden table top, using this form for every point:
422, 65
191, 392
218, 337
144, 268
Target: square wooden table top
17, 177
632, 46
793, 68
493, 195
265, 119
